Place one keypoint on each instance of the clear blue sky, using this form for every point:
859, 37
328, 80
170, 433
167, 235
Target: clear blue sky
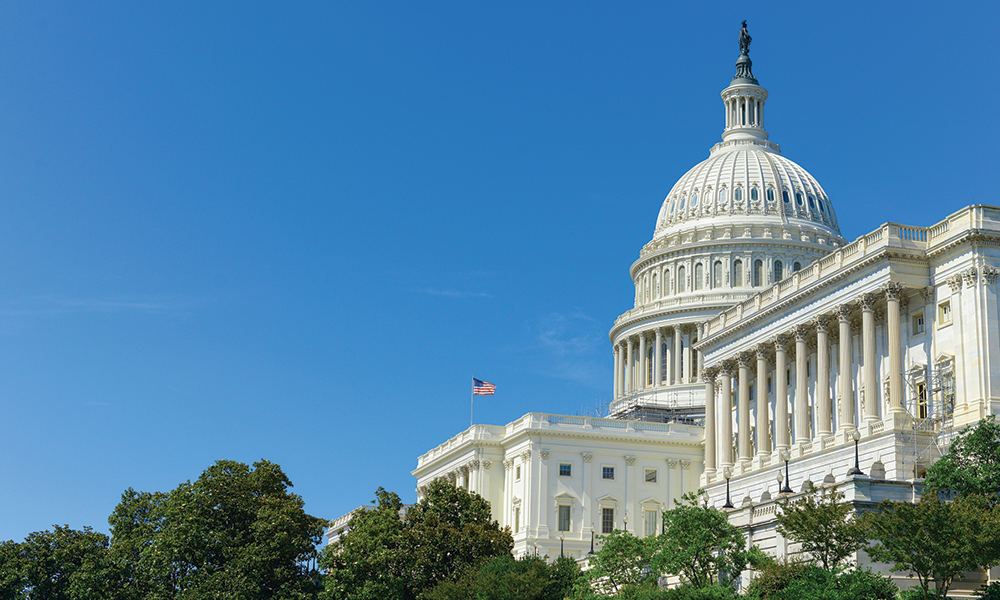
295, 231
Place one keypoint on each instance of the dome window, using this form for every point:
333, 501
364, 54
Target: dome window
737, 273
798, 198
784, 196
680, 279
753, 194
738, 194
672, 204
717, 274
722, 195
699, 276
758, 273
812, 202
796, 267
778, 271
694, 201
820, 202
681, 206
770, 194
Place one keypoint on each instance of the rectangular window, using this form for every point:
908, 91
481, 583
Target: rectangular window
565, 470
564, 518
607, 473
944, 313
517, 473
607, 520
650, 475
768, 385
650, 525
918, 324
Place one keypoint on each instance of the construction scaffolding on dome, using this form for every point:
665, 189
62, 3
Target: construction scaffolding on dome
666, 406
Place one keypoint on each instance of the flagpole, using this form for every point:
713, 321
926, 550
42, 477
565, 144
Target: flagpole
472, 399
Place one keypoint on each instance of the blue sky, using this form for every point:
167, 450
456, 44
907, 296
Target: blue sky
296, 231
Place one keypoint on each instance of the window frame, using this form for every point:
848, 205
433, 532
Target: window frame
645, 475
607, 517
944, 313
569, 469
605, 471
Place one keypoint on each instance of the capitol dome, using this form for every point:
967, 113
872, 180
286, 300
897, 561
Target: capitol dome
739, 221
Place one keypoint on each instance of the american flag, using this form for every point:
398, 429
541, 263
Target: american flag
482, 388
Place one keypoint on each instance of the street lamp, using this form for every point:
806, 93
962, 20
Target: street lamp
780, 478
727, 472
562, 538
625, 519
591, 538
536, 549
857, 467
786, 456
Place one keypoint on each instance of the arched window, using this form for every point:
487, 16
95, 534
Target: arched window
722, 195
798, 198
796, 267
694, 201
758, 273
717, 274
737, 273
645, 285
753, 194
812, 203
820, 202
738, 194
778, 271
699, 276
663, 362
656, 287
680, 279
681, 207
784, 196
666, 282
770, 194
649, 366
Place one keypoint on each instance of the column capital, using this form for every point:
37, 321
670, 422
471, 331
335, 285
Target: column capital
762, 350
780, 341
588, 456
821, 323
892, 290
866, 301
843, 312
709, 373
743, 359
990, 275
486, 464
801, 333
727, 366
856, 325
928, 294
544, 454
955, 281
630, 460
970, 275
526, 455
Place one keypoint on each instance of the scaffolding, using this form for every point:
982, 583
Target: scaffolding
664, 406
930, 405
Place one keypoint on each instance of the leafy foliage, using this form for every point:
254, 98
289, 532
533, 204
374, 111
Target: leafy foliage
698, 543
61, 564
507, 578
235, 532
386, 556
824, 524
622, 562
934, 540
972, 464
804, 581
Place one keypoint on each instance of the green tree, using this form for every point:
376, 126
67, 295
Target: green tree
386, 556
806, 581
933, 540
622, 562
698, 543
825, 525
972, 464
507, 578
236, 532
61, 564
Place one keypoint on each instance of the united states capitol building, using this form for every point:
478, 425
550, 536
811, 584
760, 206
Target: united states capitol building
758, 335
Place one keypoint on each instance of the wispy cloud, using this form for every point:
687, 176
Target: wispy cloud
55, 305
452, 293
570, 344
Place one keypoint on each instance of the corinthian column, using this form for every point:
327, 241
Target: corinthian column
845, 387
780, 393
677, 354
708, 375
743, 416
892, 294
658, 359
629, 357
801, 386
618, 364
643, 362
824, 426
763, 444
726, 415
870, 373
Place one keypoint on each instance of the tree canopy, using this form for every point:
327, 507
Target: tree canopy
62, 564
824, 524
972, 464
385, 555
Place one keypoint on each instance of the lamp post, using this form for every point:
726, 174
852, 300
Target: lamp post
536, 549
780, 478
562, 538
591, 538
786, 456
625, 519
857, 467
727, 473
